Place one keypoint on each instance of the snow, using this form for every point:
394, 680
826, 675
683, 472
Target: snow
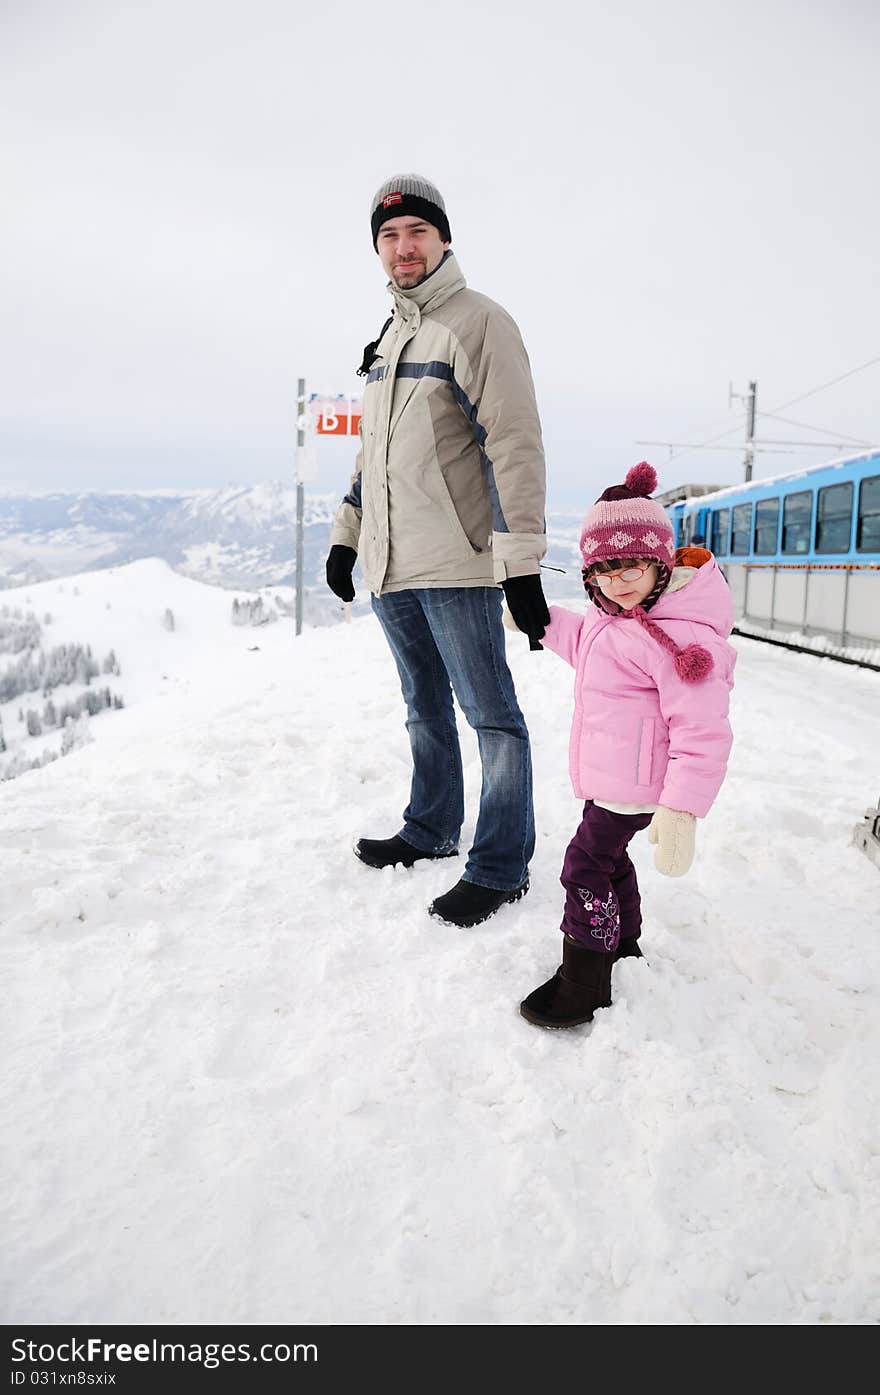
249, 1079
821, 644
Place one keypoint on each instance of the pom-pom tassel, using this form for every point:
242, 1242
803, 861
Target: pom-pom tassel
642, 479
693, 663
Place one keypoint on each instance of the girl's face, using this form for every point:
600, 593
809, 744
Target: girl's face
628, 584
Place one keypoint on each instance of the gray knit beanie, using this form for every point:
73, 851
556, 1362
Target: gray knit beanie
413, 195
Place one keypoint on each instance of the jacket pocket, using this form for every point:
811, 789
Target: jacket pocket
439, 488
646, 752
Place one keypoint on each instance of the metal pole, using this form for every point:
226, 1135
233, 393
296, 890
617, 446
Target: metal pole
750, 429
300, 492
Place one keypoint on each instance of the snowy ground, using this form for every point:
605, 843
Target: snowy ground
250, 1080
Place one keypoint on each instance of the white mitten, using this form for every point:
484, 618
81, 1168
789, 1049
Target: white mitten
508, 621
674, 833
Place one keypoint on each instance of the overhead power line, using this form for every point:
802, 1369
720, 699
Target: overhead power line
823, 386
759, 445
697, 445
824, 430
840, 438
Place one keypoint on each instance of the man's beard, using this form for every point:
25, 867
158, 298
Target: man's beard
417, 270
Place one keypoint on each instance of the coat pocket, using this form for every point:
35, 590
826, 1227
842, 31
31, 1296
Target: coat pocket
646, 752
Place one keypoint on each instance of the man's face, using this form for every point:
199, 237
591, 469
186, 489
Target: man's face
409, 250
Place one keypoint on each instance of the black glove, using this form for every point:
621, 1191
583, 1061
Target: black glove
525, 601
340, 565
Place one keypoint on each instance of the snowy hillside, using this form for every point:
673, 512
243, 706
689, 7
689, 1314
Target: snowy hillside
162, 629
248, 1079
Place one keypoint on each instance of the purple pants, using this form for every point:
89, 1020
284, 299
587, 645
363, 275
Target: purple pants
602, 902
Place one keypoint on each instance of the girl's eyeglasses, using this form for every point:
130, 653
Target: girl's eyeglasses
628, 574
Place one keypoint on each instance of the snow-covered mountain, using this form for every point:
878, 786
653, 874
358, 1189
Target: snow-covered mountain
271, 1084
233, 537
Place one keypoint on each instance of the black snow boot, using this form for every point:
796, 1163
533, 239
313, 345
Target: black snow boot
628, 949
392, 852
468, 904
581, 984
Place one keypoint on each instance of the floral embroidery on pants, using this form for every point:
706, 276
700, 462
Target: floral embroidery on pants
603, 916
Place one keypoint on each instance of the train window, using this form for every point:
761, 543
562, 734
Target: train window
868, 525
687, 528
834, 518
720, 526
742, 529
797, 516
766, 526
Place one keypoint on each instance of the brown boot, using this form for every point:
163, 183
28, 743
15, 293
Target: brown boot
581, 984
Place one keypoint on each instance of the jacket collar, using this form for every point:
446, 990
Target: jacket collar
444, 281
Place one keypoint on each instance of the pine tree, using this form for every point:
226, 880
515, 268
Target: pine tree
76, 733
168, 619
34, 725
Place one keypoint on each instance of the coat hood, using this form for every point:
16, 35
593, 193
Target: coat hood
697, 592
699, 595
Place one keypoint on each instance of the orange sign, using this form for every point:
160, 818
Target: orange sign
336, 416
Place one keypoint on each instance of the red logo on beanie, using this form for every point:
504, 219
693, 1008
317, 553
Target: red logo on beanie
391, 199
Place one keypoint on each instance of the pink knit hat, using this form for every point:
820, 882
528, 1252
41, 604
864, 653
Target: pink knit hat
624, 522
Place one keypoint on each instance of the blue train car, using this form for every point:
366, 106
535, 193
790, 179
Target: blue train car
801, 551
676, 514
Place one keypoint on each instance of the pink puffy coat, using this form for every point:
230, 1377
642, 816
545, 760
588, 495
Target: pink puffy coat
641, 734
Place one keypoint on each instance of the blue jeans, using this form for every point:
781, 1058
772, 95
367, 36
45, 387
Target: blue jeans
450, 639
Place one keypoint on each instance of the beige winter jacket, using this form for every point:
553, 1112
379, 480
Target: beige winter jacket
449, 483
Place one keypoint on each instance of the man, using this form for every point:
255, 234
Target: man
447, 500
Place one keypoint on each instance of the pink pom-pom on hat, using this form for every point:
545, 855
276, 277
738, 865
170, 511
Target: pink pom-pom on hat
624, 522
641, 479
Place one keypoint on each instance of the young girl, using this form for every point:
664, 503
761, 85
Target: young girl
650, 737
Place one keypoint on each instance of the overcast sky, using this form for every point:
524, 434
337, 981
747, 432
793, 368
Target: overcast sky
665, 197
